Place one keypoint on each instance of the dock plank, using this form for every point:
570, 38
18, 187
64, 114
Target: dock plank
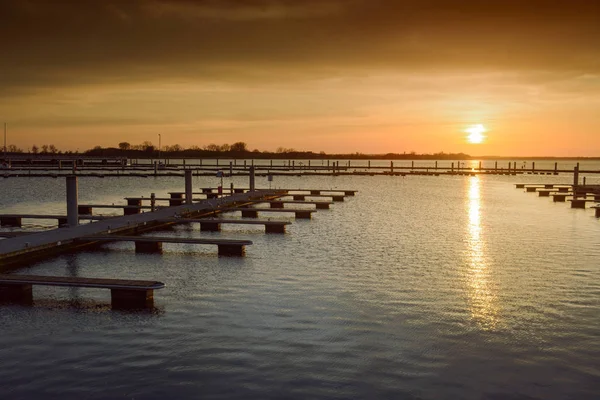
81, 282
163, 239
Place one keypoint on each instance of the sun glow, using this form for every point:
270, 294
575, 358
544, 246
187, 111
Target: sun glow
475, 133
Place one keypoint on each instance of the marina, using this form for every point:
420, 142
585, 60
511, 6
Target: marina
339, 270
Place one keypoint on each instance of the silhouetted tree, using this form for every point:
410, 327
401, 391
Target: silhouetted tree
125, 146
238, 147
34, 149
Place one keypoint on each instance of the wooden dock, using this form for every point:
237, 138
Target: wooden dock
25, 248
125, 294
580, 194
21, 248
153, 244
17, 219
249, 212
214, 224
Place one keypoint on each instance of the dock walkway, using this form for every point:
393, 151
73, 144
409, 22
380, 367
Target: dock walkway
124, 293
16, 249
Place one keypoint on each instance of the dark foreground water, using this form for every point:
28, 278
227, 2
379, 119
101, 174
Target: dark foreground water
417, 288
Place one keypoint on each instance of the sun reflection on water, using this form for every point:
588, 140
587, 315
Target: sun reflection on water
482, 297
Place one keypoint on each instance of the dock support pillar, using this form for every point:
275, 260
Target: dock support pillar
337, 198
84, 210
322, 206
575, 203
299, 197
188, 186
303, 215
148, 247
18, 293
210, 226
11, 221
315, 192
277, 204
597, 212
559, 198
250, 213
175, 202
128, 299
281, 228
72, 201
252, 179
130, 210
231, 250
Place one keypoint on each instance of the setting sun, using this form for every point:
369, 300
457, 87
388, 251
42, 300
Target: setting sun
475, 133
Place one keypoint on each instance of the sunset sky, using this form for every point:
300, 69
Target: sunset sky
370, 76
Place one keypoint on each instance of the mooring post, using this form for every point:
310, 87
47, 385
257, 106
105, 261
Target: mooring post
391, 167
496, 166
479, 165
555, 168
412, 165
230, 168
188, 186
575, 178
72, 201
152, 202
436, 166
533, 166
155, 168
252, 184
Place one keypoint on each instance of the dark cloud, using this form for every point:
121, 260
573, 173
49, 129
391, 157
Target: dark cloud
47, 43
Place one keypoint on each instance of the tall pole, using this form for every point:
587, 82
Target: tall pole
159, 146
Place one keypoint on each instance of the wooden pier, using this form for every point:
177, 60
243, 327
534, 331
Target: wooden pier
580, 195
153, 244
214, 225
17, 219
21, 248
125, 294
249, 212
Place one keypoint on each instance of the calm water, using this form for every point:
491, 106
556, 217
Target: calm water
417, 288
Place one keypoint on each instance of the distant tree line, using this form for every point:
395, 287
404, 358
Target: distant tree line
235, 150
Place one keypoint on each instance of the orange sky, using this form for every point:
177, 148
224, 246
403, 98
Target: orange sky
370, 76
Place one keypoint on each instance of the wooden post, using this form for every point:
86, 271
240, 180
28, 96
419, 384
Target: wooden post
271, 228
17, 293
303, 214
188, 186
72, 200
148, 247
131, 299
231, 250
210, 226
252, 179
575, 177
